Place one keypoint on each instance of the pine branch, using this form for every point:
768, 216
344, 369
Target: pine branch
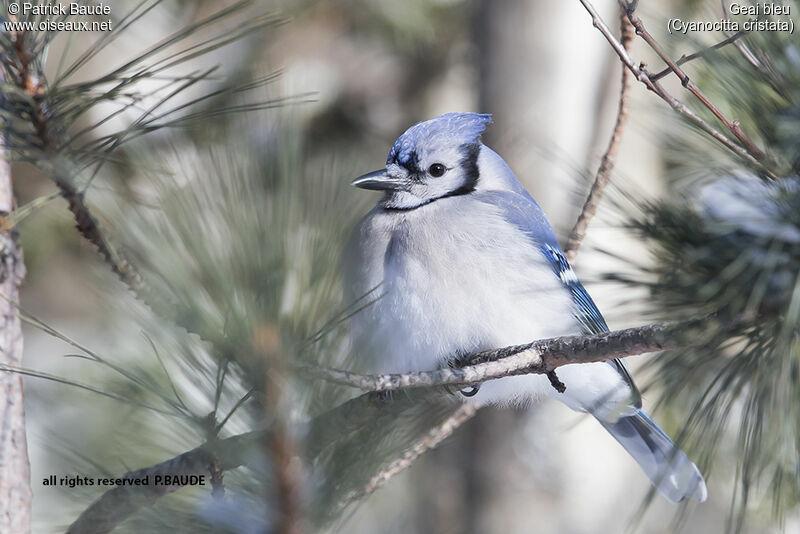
85, 222
603, 176
430, 441
44, 111
538, 357
733, 126
740, 46
216, 456
278, 443
210, 459
700, 53
643, 75
89, 228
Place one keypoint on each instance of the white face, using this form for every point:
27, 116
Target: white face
429, 175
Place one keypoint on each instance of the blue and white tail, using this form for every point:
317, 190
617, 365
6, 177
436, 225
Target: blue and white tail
671, 471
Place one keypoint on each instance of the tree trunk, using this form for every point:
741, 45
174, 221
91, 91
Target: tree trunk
541, 70
15, 485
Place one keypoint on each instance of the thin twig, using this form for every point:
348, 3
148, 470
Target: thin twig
644, 76
89, 228
741, 46
430, 441
603, 175
760, 61
700, 53
733, 126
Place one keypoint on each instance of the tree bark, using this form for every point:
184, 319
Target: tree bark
15, 485
541, 76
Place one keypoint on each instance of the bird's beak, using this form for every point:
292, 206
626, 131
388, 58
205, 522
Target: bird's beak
378, 181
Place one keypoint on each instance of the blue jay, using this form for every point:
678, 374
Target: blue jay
465, 260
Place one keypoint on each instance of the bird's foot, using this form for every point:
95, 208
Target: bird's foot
384, 397
471, 391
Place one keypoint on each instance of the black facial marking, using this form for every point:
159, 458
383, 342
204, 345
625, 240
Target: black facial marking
470, 167
411, 163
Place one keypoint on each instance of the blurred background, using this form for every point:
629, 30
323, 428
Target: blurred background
357, 73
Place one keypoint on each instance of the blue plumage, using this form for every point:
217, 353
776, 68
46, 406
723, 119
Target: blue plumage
521, 210
457, 128
587, 313
468, 261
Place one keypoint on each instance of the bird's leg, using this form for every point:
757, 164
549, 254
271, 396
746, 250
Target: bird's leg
384, 397
555, 382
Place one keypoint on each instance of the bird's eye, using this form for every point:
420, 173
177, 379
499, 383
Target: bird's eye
436, 170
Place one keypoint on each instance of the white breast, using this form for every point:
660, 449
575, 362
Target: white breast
455, 278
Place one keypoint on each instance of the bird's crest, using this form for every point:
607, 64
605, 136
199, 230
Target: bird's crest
456, 128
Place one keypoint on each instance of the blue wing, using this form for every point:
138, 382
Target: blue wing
587, 313
522, 211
